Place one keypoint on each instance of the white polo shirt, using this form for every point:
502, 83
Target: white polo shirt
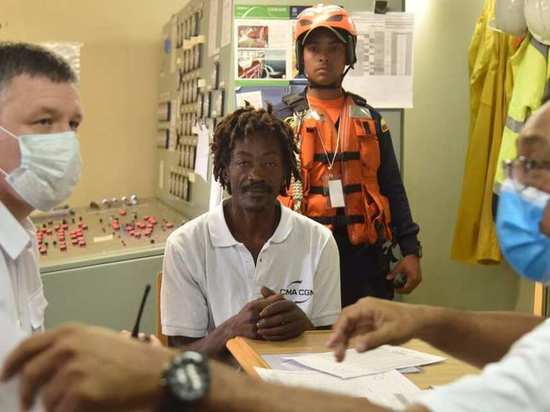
208, 276
519, 382
21, 291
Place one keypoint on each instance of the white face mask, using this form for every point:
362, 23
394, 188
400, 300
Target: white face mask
49, 169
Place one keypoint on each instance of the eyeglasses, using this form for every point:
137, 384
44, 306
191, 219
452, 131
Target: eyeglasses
521, 169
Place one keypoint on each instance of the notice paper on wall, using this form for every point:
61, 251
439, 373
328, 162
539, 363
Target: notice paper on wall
381, 359
263, 44
203, 150
254, 98
390, 389
9, 392
383, 73
227, 14
213, 28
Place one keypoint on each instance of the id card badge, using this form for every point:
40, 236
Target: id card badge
335, 191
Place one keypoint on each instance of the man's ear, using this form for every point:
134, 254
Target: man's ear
284, 189
545, 222
225, 175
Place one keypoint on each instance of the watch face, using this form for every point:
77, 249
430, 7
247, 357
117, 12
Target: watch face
188, 378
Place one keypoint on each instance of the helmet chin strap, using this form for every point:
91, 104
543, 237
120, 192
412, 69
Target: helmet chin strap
315, 85
346, 71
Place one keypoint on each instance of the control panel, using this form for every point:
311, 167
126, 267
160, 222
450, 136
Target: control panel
111, 228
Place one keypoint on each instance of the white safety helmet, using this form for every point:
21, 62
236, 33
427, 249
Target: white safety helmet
509, 17
537, 16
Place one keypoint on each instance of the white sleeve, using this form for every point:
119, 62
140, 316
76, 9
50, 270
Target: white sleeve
519, 382
183, 305
327, 300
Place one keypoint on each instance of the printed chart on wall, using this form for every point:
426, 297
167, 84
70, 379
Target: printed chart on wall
383, 73
264, 54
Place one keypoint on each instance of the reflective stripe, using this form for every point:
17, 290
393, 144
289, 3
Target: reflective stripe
319, 190
345, 156
514, 125
542, 48
338, 220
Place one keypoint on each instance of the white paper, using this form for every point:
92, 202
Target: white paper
254, 98
390, 389
381, 359
216, 194
101, 239
227, 18
213, 28
281, 362
201, 162
411, 369
383, 73
9, 392
336, 193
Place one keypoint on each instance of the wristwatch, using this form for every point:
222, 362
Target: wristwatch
186, 380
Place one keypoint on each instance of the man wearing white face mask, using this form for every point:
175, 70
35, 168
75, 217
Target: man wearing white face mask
39, 167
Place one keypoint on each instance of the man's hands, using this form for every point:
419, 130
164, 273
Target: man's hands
282, 319
245, 322
270, 317
410, 267
374, 322
79, 368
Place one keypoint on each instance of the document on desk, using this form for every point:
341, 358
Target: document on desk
9, 392
390, 389
381, 359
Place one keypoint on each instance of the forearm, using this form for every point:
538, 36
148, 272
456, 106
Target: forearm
475, 337
212, 344
231, 392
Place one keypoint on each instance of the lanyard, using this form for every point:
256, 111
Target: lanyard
338, 138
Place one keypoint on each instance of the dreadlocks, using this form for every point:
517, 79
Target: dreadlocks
246, 122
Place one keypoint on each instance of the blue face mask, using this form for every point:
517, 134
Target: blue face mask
518, 228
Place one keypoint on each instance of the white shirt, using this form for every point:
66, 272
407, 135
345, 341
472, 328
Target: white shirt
208, 276
21, 291
519, 382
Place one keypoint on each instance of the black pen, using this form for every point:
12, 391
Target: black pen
135, 331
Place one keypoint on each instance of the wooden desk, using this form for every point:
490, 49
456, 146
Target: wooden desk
248, 353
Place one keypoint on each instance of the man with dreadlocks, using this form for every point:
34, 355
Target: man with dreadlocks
251, 267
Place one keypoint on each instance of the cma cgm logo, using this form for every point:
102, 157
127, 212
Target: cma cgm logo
297, 294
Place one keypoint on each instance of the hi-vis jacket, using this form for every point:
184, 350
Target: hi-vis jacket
531, 68
366, 164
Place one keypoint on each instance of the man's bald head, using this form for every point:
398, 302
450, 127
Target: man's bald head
534, 140
534, 144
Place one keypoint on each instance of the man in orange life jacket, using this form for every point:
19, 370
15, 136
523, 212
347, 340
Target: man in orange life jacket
350, 176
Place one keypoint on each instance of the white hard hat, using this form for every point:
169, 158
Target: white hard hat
537, 16
509, 17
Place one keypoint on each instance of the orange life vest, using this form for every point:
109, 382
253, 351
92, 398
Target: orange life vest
366, 213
